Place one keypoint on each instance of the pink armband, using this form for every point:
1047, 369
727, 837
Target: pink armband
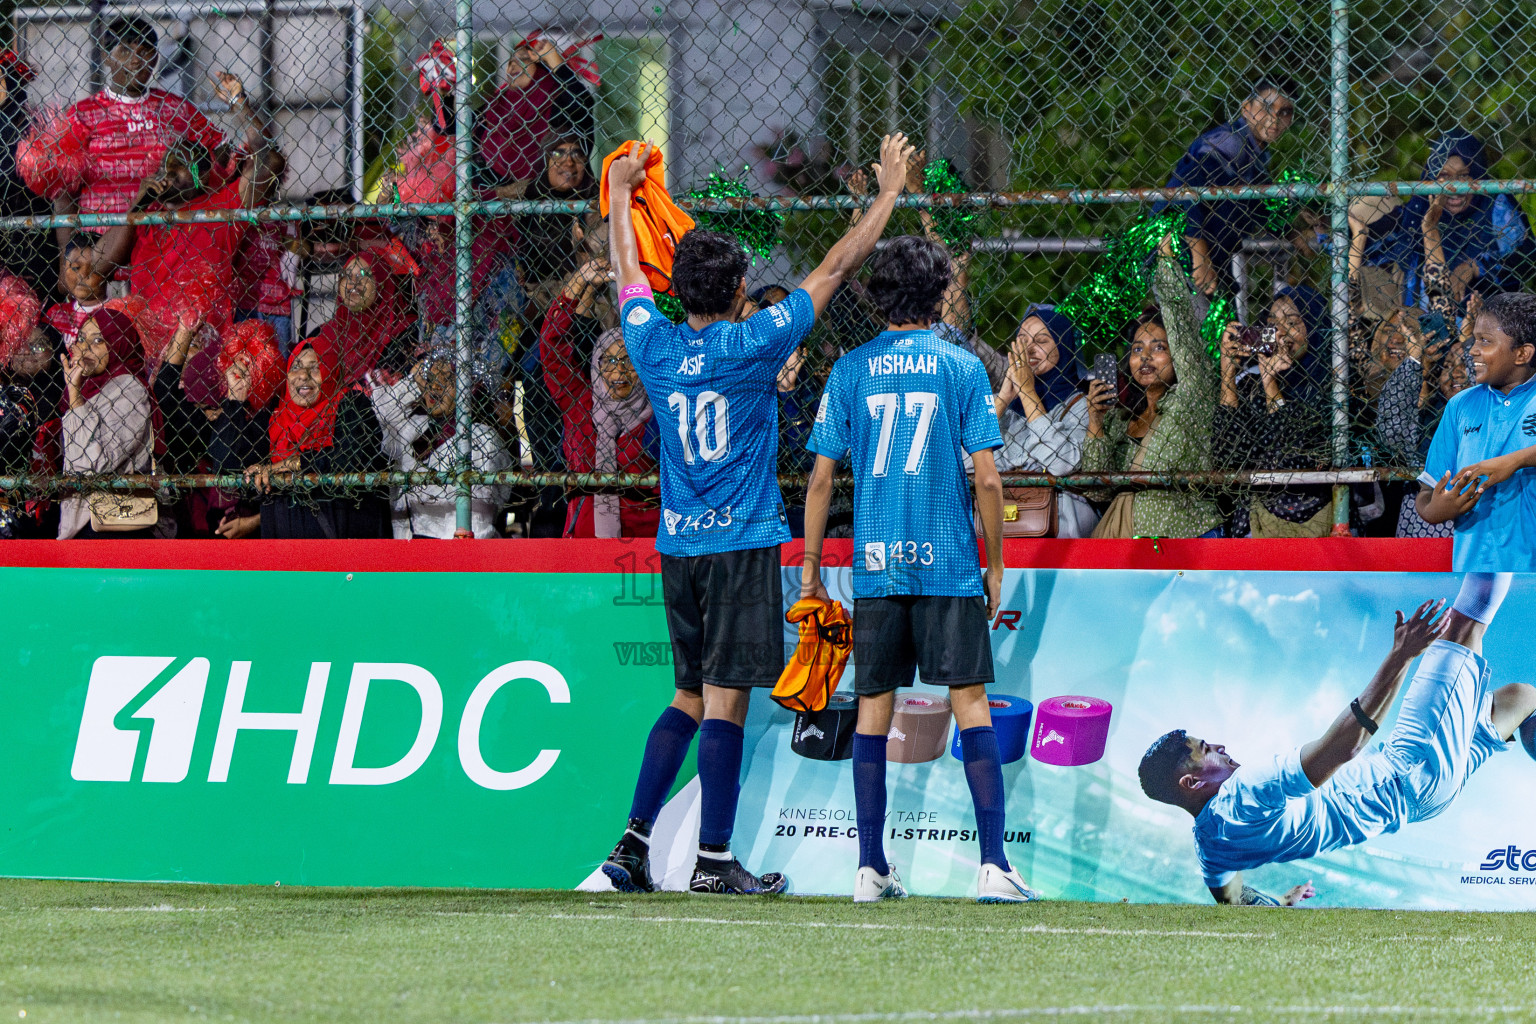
636, 291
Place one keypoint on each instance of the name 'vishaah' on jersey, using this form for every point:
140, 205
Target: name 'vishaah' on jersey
715, 397
906, 406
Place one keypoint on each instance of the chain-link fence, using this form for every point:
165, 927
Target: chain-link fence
323, 268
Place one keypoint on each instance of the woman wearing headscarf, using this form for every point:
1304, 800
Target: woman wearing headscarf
1169, 429
322, 425
1475, 233
1041, 410
108, 414
551, 245
546, 90
608, 422
418, 416
251, 368
371, 312
1273, 414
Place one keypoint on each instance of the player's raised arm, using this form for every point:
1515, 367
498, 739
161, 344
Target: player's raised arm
1352, 730
625, 175
844, 259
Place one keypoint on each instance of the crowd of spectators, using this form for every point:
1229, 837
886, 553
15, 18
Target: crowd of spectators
174, 347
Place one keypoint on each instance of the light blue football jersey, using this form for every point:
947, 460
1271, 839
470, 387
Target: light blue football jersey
714, 394
905, 407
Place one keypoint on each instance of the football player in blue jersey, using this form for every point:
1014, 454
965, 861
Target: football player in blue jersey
907, 407
712, 384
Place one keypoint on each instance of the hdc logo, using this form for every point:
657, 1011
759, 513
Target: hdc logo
106, 753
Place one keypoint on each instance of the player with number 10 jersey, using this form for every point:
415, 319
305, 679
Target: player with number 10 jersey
712, 384
905, 405
715, 399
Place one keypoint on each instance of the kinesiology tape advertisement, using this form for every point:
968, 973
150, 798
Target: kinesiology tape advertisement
478, 729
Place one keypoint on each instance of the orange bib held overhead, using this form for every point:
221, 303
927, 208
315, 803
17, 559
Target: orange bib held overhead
659, 223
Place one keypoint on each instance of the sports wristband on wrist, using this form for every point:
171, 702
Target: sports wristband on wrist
636, 291
1366, 721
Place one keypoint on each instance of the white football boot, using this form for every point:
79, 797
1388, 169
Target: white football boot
870, 887
994, 885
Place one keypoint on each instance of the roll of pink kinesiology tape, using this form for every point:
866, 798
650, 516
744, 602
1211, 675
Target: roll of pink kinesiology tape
1070, 730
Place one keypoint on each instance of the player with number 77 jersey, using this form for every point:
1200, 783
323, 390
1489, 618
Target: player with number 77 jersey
905, 405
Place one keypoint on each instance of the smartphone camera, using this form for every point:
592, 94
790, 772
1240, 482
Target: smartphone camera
1261, 341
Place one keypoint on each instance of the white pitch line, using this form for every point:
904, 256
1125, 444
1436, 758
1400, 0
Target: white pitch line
162, 909
1065, 1011
1037, 929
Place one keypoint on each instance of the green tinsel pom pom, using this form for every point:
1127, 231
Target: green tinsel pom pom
954, 224
1279, 213
756, 230
1222, 312
1113, 295
671, 307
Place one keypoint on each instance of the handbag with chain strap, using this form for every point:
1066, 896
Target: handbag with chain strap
123, 511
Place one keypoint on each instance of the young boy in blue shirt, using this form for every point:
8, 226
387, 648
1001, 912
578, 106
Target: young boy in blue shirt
712, 383
907, 407
1479, 470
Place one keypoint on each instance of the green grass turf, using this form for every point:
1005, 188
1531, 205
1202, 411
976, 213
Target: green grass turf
74, 951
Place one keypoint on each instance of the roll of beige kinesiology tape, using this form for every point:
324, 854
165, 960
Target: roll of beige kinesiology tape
919, 728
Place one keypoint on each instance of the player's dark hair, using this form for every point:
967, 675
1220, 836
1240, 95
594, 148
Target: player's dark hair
908, 278
132, 31
1162, 766
706, 271
1515, 313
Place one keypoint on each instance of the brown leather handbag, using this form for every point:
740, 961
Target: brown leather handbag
1027, 512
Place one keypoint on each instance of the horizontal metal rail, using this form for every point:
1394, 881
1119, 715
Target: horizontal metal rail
67, 13
74, 483
782, 204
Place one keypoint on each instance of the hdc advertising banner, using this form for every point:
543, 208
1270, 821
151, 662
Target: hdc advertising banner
484, 729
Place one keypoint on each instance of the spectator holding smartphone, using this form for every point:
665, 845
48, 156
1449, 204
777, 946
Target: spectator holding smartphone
1168, 429
1273, 415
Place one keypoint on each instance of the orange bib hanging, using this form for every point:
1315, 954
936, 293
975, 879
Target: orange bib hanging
826, 639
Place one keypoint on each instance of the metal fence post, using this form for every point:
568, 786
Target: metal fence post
1339, 252
463, 236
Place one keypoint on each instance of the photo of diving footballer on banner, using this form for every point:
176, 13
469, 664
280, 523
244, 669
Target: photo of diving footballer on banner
1333, 793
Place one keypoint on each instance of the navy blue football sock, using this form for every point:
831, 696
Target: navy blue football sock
664, 753
869, 800
984, 774
720, 744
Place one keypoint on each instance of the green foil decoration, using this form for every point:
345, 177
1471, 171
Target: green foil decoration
1222, 312
756, 230
1280, 213
1113, 295
671, 307
956, 225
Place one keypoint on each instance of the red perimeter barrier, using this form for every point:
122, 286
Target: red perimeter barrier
1324, 555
